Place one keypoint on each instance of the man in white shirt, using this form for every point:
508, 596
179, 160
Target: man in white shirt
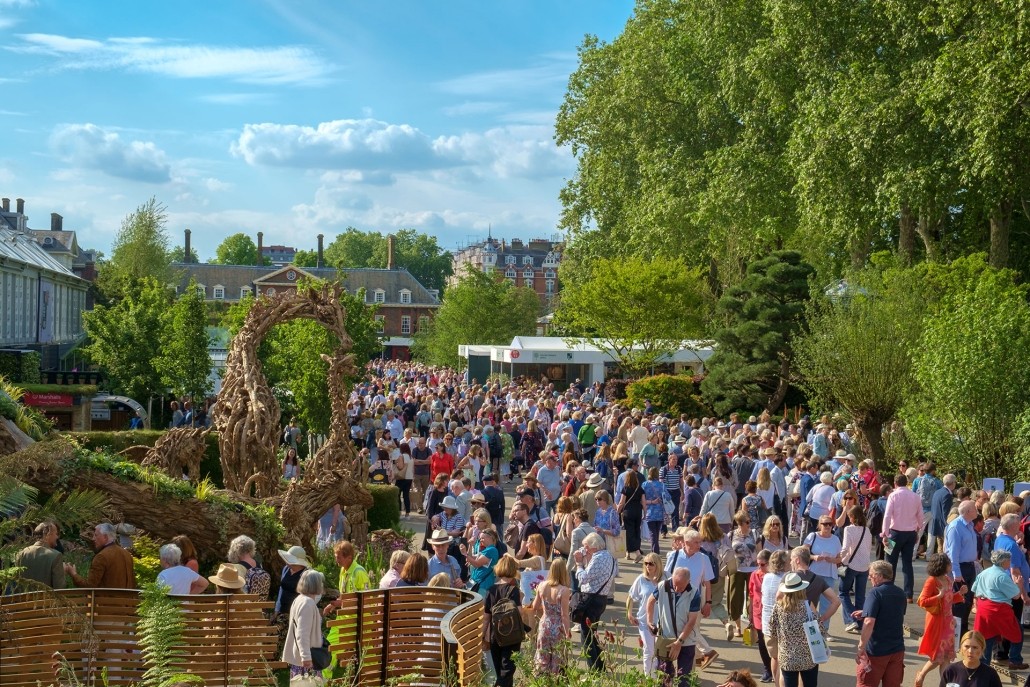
177, 577
638, 437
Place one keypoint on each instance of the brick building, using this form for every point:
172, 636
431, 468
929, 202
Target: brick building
533, 264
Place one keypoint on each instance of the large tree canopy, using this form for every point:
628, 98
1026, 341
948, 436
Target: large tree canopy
140, 251
238, 249
418, 253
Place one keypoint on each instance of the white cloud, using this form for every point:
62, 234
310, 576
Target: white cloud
90, 147
273, 65
554, 71
216, 185
233, 98
6, 175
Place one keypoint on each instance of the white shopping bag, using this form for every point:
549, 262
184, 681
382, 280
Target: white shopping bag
814, 635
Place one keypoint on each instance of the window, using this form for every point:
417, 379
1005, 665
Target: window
528, 274
509, 260
405, 296
245, 291
549, 286
435, 293
405, 324
551, 260
528, 282
202, 290
510, 273
423, 323
527, 260
380, 296
550, 274
219, 292
380, 323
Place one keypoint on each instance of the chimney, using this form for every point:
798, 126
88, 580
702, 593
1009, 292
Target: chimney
7, 204
389, 252
21, 205
320, 262
56, 221
186, 247
261, 249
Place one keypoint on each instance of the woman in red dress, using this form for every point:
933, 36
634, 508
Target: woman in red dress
937, 597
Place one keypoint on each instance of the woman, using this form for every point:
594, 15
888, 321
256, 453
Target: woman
855, 556
189, 552
551, 605
765, 488
381, 471
481, 560
393, 576
257, 580
777, 568
723, 469
992, 519
654, 499
937, 599
643, 587
794, 494
473, 462
404, 469
817, 501
825, 549
971, 671
505, 588
754, 591
720, 501
604, 465
291, 469
785, 627
415, 572
631, 507
773, 536
740, 678
305, 624
434, 499
229, 579
479, 522
537, 559
563, 514
742, 540
754, 505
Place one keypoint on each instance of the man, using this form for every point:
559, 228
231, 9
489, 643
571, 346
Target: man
940, 506
549, 477
494, 499
177, 577
1007, 540
520, 530
820, 595
902, 521
778, 475
596, 571
111, 567
995, 589
638, 437
421, 468
960, 546
821, 442
587, 499
881, 650
42, 562
743, 466
393, 425
672, 613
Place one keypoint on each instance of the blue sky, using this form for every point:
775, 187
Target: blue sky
291, 117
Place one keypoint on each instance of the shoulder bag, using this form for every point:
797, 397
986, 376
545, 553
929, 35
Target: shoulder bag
590, 605
663, 644
563, 543
843, 567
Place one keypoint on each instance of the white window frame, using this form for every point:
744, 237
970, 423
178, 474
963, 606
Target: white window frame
405, 296
246, 291
379, 296
527, 260
510, 273
218, 292
405, 324
380, 323
528, 274
509, 260
549, 286
528, 282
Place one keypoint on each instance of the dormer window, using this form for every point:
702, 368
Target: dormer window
219, 292
405, 296
379, 296
245, 291
551, 260
201, 290
509, 260
528, 274
527, 260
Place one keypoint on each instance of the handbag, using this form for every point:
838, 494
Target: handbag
842, 569
320, 656
563, 543
584, 605
615, 544
814, 636
662, 644
667, 503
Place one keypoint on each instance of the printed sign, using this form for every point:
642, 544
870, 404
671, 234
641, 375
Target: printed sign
47, 400
993, 484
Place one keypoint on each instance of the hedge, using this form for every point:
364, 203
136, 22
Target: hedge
385, 512
673, 394
20, 367
210, 465
72, 389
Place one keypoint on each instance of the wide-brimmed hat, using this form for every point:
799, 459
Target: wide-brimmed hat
295, 555
840, 453
477, 498
440, 537
595, 480
679, 439
792, 582
449, 502
768, 451
229, 575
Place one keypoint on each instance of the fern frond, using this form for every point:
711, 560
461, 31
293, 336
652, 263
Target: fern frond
75, 509
160, 631
15, 495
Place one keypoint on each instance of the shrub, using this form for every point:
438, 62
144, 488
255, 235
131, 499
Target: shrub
20, 366
385, 512
615, 389
113, 442
673, 394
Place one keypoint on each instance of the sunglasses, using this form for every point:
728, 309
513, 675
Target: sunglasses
826, 524
648, 565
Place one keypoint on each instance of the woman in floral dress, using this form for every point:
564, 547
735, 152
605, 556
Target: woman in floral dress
937, 597
551, 605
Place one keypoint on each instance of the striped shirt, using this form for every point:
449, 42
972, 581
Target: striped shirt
672, 478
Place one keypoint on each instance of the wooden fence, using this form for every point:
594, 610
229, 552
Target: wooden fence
431, 636
227, 638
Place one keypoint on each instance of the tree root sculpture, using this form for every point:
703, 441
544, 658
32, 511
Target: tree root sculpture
179, 451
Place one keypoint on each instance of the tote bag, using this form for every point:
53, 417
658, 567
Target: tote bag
814, 636
616, 545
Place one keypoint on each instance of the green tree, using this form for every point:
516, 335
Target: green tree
638, 309
126, 339
305, 258
352, 248
752, 364
177, 254
479, 309
973, 400
419, 254
238, 249
843, 367
185, 361
140, 251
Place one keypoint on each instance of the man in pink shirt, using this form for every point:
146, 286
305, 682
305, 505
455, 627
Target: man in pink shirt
902, 522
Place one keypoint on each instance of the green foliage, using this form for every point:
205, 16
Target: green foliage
140, 251
385, 512
27, 419
127, 339
669, 393
418, 253
639, 309
178, 253
480, 309
185, 363
238, 249
751, 366
973, 398
20, 366
146, 559
114, 442
160, 632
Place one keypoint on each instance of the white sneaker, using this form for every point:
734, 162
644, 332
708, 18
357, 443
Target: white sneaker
729, 631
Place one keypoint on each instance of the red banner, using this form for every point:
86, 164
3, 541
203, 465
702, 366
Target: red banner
46, 400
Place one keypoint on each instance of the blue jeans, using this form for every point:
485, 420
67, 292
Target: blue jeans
856, 581
824, 603
904, 548
1015, 652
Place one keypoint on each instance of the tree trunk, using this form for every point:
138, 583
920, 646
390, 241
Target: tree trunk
860, 249
907, 236
870, 434
1001, 223
782, 386
926, 231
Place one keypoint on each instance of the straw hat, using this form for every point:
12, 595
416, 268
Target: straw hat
792, 582
229, 576
296, 555
440, 537
595, 481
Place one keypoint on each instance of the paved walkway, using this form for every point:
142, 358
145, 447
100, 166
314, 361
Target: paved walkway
839, 672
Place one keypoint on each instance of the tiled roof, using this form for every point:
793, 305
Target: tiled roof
60, 241
234, 277
22, 247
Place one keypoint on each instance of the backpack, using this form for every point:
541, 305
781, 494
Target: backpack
506, 623
496, 448
875, 518
714, 563
928, 486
